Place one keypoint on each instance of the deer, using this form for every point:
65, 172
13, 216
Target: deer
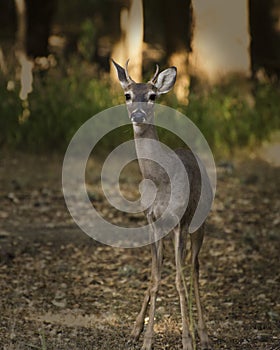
140, 101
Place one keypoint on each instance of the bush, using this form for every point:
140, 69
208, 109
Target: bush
59, 104
62, 100
230, 119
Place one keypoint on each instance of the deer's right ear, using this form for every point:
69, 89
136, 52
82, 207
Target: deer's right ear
121, 75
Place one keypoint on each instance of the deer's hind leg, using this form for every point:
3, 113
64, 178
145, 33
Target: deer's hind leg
196, 243
180, 245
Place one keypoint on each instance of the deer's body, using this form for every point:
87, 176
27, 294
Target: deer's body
140, 102
152, 171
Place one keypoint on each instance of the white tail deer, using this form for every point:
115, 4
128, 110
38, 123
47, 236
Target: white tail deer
140, 99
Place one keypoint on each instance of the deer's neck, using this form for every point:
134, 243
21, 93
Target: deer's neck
146, 151
149, 132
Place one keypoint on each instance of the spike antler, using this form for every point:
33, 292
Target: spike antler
154, 78
127, 74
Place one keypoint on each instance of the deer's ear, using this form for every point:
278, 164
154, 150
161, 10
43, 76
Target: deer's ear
121, 75
166, 80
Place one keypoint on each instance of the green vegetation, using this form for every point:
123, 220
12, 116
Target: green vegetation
62, 100
231, 119
59, 104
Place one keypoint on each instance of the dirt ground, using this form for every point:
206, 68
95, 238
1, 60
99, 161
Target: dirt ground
59, 289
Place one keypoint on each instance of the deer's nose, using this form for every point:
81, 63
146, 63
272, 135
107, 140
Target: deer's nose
138, 116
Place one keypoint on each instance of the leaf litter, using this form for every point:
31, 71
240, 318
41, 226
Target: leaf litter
59, 285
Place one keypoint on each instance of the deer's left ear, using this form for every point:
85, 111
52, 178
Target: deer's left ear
166, 80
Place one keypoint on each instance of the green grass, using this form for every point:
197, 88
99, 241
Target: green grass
63, 99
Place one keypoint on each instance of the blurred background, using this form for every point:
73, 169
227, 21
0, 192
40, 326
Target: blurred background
55, 70
60, 289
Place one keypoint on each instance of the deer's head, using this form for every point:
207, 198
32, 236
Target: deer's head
140, 97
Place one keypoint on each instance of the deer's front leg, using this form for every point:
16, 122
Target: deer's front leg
155, 281
140, 320
150, 295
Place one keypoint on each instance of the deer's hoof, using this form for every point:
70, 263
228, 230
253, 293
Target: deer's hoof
130, 344
147, 344
206, 346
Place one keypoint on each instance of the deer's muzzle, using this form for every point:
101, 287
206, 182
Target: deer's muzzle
138, 116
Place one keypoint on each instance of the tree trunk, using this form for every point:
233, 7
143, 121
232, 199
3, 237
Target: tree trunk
3, 65
39, 17
265, 33
178, 18
26, 65
131, 42
221, 39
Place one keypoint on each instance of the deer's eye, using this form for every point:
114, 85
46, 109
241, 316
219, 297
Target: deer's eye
152, 97
127, 97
